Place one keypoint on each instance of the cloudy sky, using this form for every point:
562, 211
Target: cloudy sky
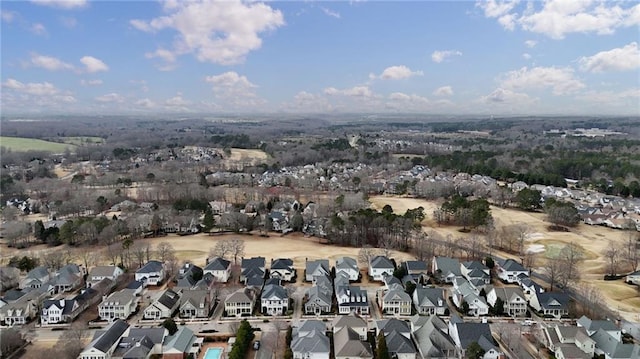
453, 57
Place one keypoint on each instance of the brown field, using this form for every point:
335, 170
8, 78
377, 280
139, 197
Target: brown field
238, 154
593, 239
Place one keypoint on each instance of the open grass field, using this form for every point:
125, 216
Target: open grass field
252, 156
594, 240
21, 144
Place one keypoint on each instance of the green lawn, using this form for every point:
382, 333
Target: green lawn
21, 144
82, 140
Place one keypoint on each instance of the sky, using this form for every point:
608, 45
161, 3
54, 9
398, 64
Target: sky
569, 57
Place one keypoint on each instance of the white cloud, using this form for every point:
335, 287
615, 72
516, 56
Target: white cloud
330, 13
166, 55
304, 101
557, 18
96, 82
526, 56
356, 91
49, 63
500, 10
8, 16
221, 32
504, 96
63, 4
443, 91
531, 43
31, 88
561, 80
38, 29
93, 64
177, 103
396, 73
605, 97
110, 98
234, 89
619, 59
146, 103
439, 56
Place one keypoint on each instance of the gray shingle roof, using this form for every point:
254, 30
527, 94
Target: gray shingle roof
102, 271
399, 344
475, 332
346, 263
381, 262
181, 341
448, 266
511, 265
38, 272
313, 342
169, 298
217, 264
428, 297
151, 267
273, 290
110, 336
282, 263
417, 266
347, 344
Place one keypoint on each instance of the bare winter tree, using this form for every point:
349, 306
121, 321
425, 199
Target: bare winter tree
569, 257
366, 254
552, 268
221, 249
88, 256
591, 300
54, 260
612, 255
139, 251
236, 248
164, 250
632, 249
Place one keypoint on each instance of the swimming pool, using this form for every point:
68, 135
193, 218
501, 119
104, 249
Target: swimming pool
213, 353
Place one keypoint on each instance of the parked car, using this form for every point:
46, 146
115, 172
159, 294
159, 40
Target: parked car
256, 345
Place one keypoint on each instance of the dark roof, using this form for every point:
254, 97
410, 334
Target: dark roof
218, 263
475, 332
110, 336
381, 262
255, 281
416, 266
282, 263
135, 284
12, 295
151, 267
553, 300
156, 335
258, 262
511, 265
398, 343
169, 298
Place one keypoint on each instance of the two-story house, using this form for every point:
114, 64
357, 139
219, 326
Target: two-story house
151, 273
282, 269
508, 270
96, 274
105, 342
418, 270
118, 305
240, 303
36, 278
429, 301
252, 268
396, 302
310, 341
195, 304
58, 311
349, 266
380, 266
219, 268
68, 278
514, 303
352, 299
445, 269
316, 268
274, 300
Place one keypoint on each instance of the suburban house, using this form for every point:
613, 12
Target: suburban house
141, 343
347, 344
353, 321
476, 272
195, 304
21, 310
463, 334
316, 268
464, 292
319, 301
396, 302
418, 270
569, 340
58, 311
431, 335
514, 302
352, 299
592, 326
151, 273
310, 341
188, 275
252, 267
105, 342
219, 268
429, 301
633, 278
397, 334
183, 344
530, 288
36, 277
164, 306
283, 269
240, 303
379, 266
613, 348
349, 266
118, 305
508, 270
274, 300
101, 272
68, 278
445, 269
551, 303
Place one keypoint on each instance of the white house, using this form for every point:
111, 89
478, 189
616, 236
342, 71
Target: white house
396, 302
429, 301
508, 270
220, 268
119, 305
101, 272
379, 266
164, 306
151, 273
283, 269
35, 278
349, 266
274, 300
514, 302
240, 303
57, 311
